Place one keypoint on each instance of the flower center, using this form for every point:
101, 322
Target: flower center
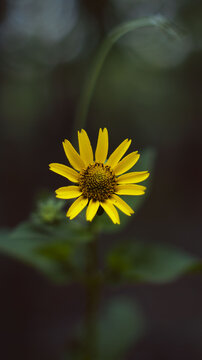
97, 182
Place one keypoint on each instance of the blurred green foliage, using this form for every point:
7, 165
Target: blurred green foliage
56, 250
133, 261
59, 252
49, 211
119, 325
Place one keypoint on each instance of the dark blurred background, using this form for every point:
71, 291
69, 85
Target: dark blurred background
150, 89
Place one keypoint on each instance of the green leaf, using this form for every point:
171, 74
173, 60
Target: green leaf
56, 251
146, 162
63, 231
25, 249
154, 263
120, 326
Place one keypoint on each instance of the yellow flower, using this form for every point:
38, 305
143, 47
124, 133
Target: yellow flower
99, 181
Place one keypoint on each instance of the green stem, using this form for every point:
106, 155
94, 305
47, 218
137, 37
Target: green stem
112, 38
92, 301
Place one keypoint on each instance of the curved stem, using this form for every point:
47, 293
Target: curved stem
112, 38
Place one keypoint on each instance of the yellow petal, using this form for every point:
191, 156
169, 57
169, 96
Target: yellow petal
72, 155
85, 147
68, 192
92, 209
102, 146
130, 189
121, 204
77, 206
118, 153
111, 211
65, 171
126, 163
133, 177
